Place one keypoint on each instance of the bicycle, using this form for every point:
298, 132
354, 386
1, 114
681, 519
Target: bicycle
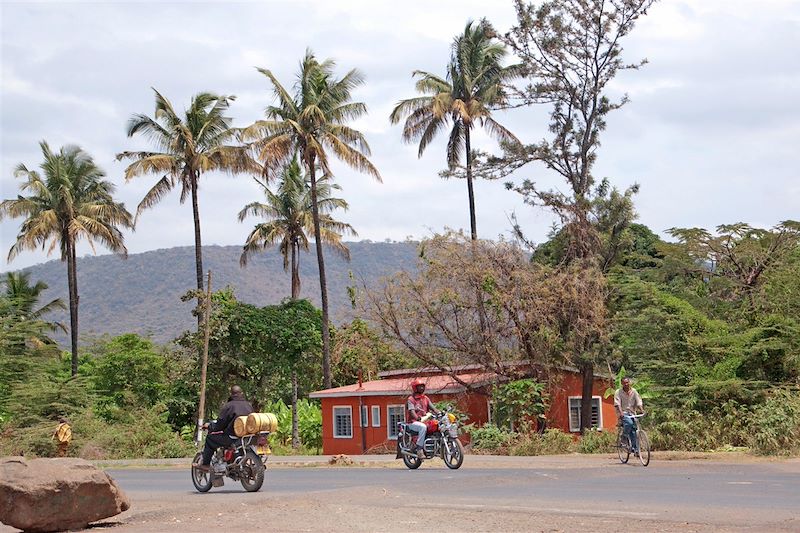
624, 443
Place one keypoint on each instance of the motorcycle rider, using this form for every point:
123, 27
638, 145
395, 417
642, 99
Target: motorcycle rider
220, 431
417, 406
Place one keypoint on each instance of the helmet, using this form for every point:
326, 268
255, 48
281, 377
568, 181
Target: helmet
417, 383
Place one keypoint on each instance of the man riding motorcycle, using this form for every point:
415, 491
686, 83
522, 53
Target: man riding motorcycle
220, 431
417, 406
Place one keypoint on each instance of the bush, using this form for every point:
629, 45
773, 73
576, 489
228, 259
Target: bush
488, 438
595, 441
776, 425
551, 442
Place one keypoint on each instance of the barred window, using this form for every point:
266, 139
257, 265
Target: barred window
394, 415
575, 413
343, 422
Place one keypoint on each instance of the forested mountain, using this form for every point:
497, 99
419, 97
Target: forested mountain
142, 294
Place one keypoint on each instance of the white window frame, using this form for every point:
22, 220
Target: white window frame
350, 409
364, 416
389, 419
376, 416
599, 400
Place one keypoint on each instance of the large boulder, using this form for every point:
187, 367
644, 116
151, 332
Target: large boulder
56, 494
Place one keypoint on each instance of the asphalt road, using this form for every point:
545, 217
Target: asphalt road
757, 496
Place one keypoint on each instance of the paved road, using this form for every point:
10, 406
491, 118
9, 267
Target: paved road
758, 496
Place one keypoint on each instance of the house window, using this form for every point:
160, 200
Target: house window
376, 416
364, 416
575, 413
343, 422
394, 415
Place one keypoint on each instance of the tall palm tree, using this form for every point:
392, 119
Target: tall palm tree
465, 96
185, 148
289, 220
312, 122
69, 201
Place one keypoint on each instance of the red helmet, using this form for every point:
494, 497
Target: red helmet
417, 383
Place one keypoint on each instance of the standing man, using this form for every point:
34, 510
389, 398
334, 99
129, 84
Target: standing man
627, 402
63, 436
220, 431
417, 406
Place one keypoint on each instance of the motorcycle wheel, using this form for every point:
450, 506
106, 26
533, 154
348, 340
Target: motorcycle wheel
412, 461
200, 479
453, 453
252, 472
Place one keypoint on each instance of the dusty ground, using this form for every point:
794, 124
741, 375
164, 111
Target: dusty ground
367, 509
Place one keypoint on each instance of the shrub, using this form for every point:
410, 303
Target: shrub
551, 442
776, 425
595, 441
488, 438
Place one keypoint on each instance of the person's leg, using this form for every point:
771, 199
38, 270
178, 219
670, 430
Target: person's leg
421, 430
212, 443
630, 430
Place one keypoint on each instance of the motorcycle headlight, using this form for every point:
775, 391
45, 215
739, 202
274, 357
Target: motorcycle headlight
451, 417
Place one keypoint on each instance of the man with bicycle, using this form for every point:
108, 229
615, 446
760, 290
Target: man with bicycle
627, 402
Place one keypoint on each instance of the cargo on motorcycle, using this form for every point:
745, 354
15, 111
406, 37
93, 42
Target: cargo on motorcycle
236, 446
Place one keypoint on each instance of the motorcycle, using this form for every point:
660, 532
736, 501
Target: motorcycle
244, 460
441, 440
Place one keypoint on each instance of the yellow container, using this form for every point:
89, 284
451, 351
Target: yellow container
240, 426
257, 422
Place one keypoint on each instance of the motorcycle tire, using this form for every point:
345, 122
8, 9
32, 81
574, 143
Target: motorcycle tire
453, 458
412, 461
252, 472
201, 480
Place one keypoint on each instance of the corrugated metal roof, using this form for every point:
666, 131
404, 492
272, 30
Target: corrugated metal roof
441, 384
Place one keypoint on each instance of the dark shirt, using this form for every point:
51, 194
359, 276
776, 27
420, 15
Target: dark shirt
236, 406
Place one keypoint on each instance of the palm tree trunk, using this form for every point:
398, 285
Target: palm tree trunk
295, 270
198, 247
72, 282
326, 339
295, 431
472, 224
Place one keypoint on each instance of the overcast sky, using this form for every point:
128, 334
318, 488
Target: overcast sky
711, 132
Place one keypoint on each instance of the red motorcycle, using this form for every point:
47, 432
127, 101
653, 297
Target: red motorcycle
441, 440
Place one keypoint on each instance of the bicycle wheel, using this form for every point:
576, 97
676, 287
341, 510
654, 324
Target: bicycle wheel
624, 448
644, 447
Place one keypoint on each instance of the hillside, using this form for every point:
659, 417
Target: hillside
142, 294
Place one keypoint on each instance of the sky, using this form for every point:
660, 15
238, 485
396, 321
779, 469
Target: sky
710, 133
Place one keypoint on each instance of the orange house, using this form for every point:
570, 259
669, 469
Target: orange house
356, 418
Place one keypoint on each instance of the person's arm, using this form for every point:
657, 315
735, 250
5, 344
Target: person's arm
617, 405
639, 403
413, 415
225, 416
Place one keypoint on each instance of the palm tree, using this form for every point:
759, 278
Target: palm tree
186, 147
312, 122
472, 86
68, 202
289, 221
24, 299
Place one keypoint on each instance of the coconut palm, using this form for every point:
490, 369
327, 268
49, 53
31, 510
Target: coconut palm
312, 123
67, 202
186, 147
289, 221
465, 96
24, 299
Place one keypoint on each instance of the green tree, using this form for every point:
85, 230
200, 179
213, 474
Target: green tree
186, 147
474, 83
23, 299
289, 220
129, 369
312, 122
70, 200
